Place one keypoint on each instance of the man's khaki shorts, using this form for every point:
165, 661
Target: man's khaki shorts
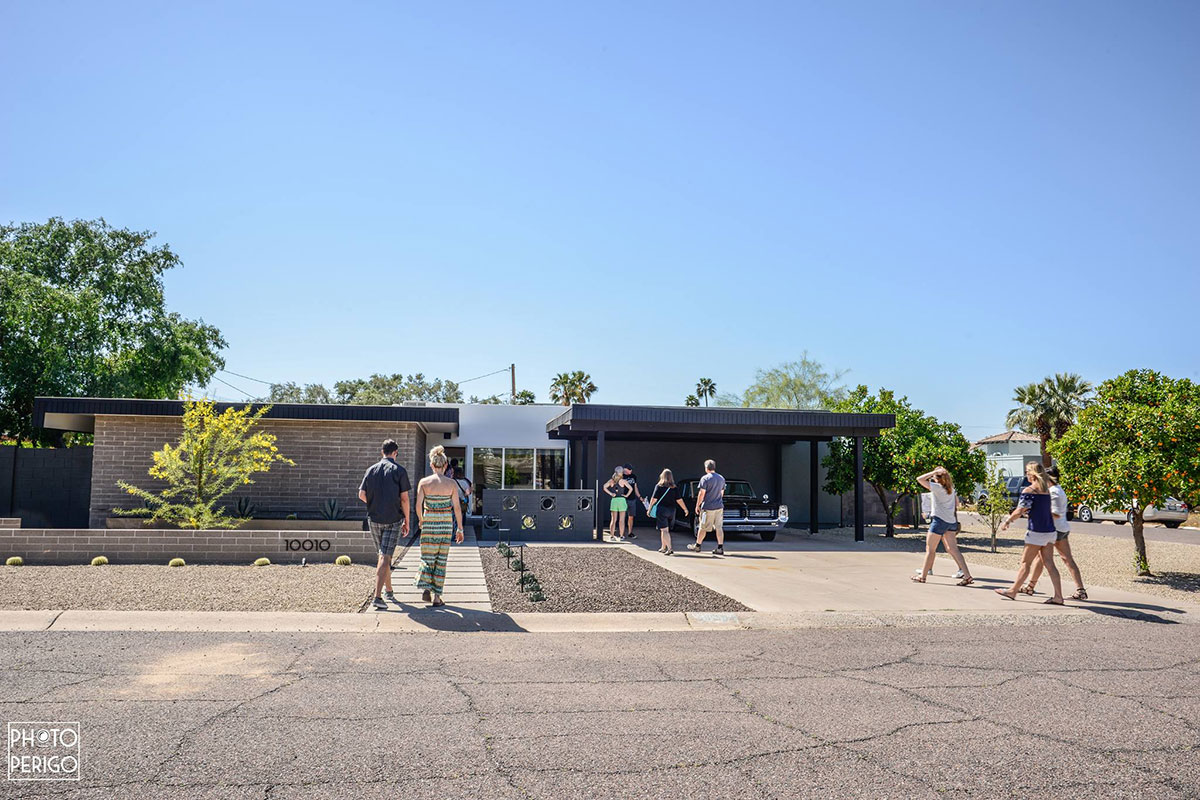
713, 520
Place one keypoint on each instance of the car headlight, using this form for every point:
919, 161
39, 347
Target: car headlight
783, 513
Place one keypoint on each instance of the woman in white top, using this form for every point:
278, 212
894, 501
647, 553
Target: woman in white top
1062, 528
943, 523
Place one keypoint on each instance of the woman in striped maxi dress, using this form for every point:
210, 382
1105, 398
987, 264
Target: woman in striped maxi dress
437, 511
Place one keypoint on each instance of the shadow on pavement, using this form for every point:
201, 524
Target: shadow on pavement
462, 620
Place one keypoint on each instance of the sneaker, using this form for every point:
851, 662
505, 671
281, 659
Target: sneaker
720, 551
378, 604
662, 549
695, 548
958, 574
672, 552
391, 597
631, 536
917, 572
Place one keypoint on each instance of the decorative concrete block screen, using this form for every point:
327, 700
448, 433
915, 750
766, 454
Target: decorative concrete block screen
537, 515
80, 545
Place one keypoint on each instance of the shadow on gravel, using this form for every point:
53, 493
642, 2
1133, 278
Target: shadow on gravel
1134, 611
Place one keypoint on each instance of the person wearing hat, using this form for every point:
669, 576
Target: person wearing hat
635, 498
1062, 528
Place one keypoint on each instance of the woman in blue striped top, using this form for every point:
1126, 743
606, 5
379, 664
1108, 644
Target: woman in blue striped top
1040, 537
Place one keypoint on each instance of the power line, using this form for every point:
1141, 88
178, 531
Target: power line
480, 377
231, 386
247, 377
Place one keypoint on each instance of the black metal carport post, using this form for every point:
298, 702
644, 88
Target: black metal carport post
813, 487
601, 478
859, 533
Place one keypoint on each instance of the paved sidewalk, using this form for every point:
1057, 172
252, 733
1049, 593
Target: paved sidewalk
466, 588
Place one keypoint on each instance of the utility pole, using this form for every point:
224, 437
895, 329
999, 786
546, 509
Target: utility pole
512, 398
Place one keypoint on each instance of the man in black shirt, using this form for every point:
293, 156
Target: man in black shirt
635, 499
385, 488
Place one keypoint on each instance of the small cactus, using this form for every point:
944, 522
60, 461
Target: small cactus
517, 565
342, 561
176, 562
15, 561
99, 561
262, 562
537, 596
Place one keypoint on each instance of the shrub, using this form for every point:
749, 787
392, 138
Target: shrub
176, 562
290, 516
99, 561
262, 562
244, 508
216, 454
342, 561
15, 561
331, 509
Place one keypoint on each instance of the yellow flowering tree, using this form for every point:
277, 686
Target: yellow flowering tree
216, 454
1134, 446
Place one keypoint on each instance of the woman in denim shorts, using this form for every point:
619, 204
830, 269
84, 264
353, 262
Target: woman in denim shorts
943, 524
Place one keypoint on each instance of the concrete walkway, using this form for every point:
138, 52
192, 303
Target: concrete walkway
466, 588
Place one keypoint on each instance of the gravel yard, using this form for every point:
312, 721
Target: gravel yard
596, 580
1103, 561
133, 587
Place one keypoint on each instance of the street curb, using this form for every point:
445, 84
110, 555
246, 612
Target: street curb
451, 619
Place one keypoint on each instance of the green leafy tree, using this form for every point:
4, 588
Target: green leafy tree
83, 314
572, 387
524, 397
995, 505
705, 389
291, 393
386, 390
1048, 409
803, 384
1134, 446
691, 401
491, 400
215, 455
893, 460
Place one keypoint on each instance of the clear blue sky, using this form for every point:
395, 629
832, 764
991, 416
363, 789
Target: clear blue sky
948, 199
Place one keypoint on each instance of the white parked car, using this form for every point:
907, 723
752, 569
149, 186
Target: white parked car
1173, 513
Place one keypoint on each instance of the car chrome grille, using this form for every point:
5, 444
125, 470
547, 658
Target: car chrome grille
762, 513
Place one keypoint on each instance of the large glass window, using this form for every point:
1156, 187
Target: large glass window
516, 468
551, 469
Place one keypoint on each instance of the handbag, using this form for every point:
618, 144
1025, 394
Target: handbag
653, 509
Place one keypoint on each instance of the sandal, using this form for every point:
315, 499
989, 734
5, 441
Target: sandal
1005, 594
1027, 589
916, 579
1050, 601
967, 581
1080, 594
438, 602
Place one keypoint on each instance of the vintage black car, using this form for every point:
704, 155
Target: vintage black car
745, 511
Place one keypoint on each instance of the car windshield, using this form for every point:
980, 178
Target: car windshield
738, 489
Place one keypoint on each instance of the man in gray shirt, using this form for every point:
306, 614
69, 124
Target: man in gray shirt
710, 509
385, 489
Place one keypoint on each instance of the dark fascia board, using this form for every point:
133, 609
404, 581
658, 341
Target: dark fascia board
122, 406
588, 418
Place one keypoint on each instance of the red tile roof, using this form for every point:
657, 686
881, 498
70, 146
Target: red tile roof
1010, 436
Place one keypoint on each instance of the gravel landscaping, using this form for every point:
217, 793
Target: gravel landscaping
596, 580
1104, 561
141, 587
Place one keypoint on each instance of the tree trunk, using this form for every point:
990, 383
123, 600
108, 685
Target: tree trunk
891, 528
1046, 460
1139, 543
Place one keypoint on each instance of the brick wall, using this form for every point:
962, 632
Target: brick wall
330, 457
80, 545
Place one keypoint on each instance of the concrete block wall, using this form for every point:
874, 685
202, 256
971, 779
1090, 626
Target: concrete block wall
873, 510
243, 546
330, 457
46, 487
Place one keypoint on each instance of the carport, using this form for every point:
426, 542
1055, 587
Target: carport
594, 428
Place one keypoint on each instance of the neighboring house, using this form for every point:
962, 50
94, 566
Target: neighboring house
1010, 451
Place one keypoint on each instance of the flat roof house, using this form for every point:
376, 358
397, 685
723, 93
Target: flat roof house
499, 446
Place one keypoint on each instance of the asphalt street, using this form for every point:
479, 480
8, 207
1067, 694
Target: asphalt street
1086, 709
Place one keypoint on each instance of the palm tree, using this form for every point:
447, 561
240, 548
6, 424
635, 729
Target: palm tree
572, 387
705, 389
692, 401
1048, 409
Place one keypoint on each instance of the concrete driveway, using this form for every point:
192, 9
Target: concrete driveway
801, 573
